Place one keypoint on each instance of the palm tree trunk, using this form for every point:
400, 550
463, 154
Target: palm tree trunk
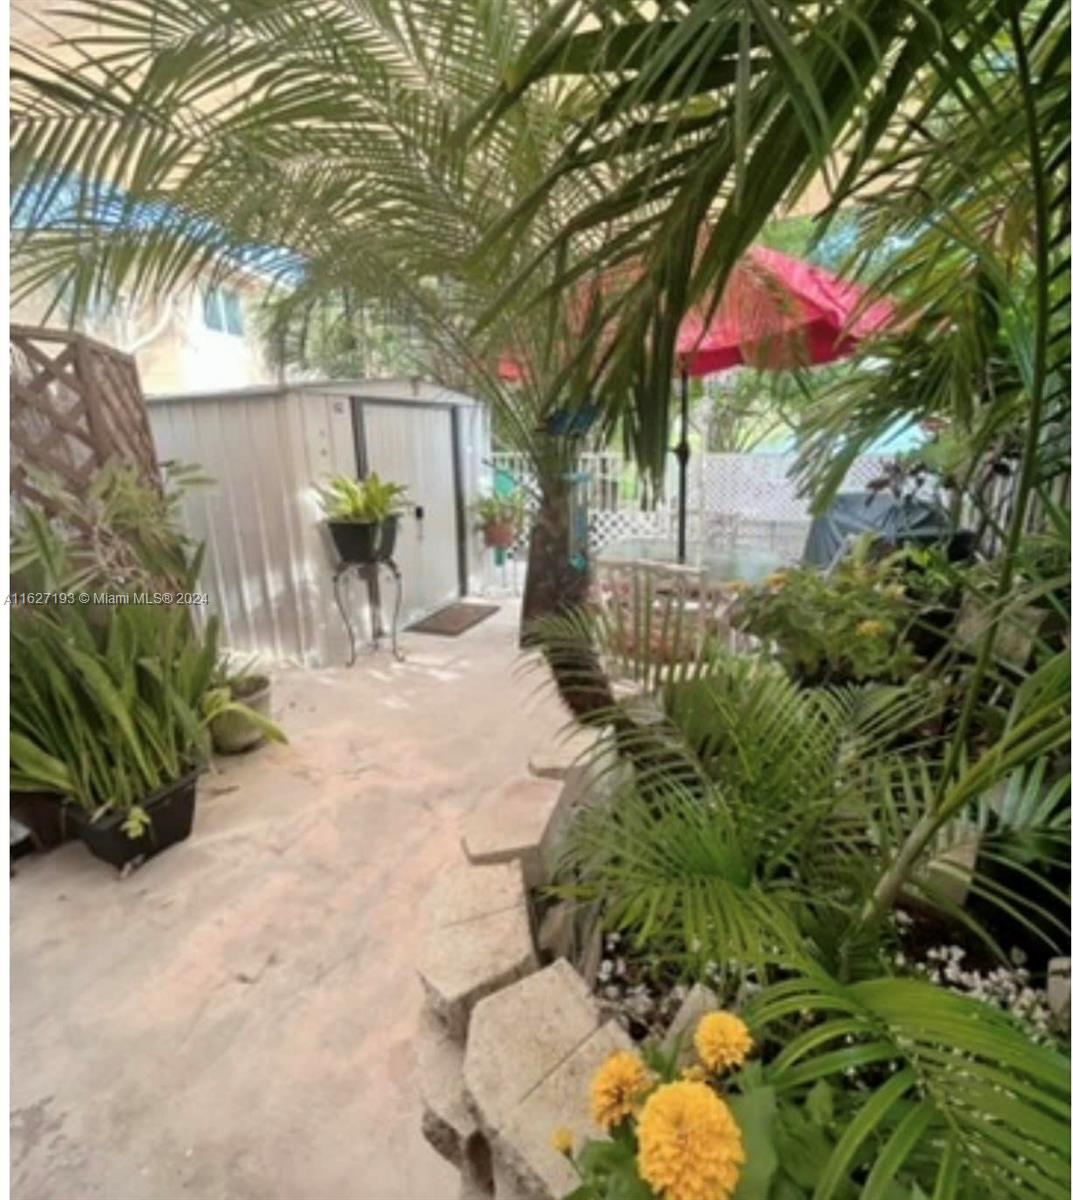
553, 586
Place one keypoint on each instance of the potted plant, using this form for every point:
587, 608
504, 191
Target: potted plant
499, 518
111, 703
41, 814
237, 730
362, 516
113, 720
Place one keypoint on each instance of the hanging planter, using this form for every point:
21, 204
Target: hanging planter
499, 535
499, 518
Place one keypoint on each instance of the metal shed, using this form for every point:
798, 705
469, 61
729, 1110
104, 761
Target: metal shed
269, 561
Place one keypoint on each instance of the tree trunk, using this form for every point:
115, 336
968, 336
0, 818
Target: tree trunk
554, 586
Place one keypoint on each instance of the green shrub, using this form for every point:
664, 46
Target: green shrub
855, 623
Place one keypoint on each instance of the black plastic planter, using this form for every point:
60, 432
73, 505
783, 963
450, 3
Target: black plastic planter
362, 542
43, 815
171, 817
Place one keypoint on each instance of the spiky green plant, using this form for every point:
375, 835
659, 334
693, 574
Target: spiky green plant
106, 711
362, 501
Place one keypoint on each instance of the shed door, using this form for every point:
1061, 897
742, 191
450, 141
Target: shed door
414, 445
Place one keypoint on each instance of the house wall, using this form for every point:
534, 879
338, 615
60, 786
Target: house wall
174, 348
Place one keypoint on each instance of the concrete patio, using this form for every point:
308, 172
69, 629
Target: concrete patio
235, 1020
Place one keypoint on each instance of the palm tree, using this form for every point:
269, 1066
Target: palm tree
743, 108
188, 138
945, 126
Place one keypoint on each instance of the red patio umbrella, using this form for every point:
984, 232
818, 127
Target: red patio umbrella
776, 313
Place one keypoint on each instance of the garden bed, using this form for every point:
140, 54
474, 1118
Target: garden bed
512, 975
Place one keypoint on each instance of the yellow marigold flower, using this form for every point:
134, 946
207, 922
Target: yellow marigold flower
616, 1088
871, 629
689, 1145
562, 1141
722, 1040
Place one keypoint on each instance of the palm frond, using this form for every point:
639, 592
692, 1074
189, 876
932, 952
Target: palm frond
962, 1085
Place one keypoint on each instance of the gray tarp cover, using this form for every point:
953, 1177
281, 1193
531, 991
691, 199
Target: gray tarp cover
854, 513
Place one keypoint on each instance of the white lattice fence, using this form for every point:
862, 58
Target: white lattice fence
759, 485
606, 525
732, 500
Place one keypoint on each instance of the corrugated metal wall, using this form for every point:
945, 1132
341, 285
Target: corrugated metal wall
407, 444
268, 560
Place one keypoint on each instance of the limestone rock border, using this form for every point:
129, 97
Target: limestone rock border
505, 1048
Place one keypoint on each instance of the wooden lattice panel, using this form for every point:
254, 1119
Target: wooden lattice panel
75, 405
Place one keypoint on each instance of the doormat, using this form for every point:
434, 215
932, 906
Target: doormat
454, 619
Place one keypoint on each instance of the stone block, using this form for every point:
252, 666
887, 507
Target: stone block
472, 1189
512, 826
698, 1001
950, 874
555, 937
506, 1184
446, 1119
555, 760
522, 1154
478, 940
465, 892
518, 1036
1058, 991
476, 1171
464, 962
1015, 636
584, 785
590, 942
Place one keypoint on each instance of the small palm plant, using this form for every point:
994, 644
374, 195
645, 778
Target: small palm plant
764, 822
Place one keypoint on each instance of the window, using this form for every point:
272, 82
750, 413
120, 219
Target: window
222, 310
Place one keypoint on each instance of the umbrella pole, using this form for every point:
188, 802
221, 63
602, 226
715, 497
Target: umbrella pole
682, 454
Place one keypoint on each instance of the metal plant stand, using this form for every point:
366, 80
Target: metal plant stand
370, 573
